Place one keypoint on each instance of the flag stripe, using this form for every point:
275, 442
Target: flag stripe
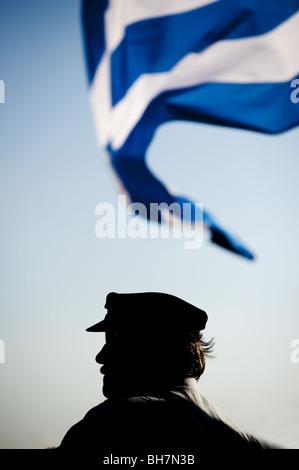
250, 60
149, 40
93, 26
122, 14
278, 113
104, 22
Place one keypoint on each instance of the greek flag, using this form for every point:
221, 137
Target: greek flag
225, 62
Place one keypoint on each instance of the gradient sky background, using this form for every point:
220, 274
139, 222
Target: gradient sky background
55, 273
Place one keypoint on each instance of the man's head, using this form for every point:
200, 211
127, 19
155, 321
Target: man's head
153, 340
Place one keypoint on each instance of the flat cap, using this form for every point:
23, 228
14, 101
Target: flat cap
149, 311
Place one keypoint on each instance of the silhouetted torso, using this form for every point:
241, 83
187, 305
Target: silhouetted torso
173, 421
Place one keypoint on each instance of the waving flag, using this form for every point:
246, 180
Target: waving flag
224, 62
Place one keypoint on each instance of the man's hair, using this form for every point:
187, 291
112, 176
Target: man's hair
190, 352
181, 354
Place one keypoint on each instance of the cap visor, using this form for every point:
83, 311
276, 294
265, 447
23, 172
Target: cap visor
101, 326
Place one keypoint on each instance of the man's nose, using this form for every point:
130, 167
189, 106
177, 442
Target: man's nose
100, 357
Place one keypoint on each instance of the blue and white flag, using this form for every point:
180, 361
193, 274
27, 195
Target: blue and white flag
224, 62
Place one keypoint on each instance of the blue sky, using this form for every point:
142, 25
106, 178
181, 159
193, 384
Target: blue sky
55, 273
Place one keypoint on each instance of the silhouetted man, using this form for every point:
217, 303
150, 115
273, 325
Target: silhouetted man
153, 356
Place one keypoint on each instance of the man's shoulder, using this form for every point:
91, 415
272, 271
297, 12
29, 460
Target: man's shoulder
101, 409
122, 406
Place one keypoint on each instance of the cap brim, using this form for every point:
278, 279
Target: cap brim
101, 326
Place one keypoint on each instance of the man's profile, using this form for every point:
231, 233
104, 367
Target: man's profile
153, 356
